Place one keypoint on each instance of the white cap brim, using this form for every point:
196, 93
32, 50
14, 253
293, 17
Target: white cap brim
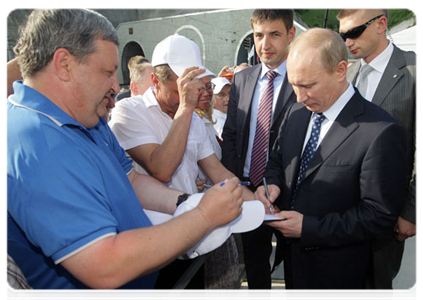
179, 70
219, 83
251, 217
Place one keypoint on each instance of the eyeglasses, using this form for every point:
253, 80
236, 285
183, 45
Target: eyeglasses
210, 87
357, 31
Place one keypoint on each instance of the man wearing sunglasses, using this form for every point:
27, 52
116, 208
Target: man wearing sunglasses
390, 83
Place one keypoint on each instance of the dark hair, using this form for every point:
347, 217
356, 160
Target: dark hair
286, 15
48, 30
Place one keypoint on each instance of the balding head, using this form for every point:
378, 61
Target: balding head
327, 43
317, 67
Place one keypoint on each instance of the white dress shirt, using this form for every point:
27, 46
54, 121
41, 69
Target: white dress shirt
378, 65
139, 120
259, 91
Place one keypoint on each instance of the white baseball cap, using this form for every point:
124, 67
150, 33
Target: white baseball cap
251, 217
179, 53
219, 83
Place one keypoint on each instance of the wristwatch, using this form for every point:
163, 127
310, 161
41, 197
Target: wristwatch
182, 198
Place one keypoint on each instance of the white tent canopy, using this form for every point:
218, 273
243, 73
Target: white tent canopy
405, 39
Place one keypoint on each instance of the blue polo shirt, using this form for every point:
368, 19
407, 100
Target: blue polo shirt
67, 188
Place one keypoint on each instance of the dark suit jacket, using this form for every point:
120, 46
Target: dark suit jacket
237, 127
396, 93
350, 193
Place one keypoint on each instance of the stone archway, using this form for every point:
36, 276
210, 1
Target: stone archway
131, 49
244, 48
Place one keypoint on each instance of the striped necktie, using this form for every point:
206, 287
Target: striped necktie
261, 137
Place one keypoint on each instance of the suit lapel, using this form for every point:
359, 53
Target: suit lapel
340, 130
390, 77
285, 93
245, 103
294, 136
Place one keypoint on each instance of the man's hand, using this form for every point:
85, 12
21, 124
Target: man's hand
200, 184
225, 70
274, 192
222, 204
404, 229
292, 226
190, 87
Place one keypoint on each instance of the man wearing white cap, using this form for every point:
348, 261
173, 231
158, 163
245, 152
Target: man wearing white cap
162, 133
222, 87
160, 130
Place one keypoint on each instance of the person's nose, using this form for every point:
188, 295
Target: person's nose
266, 42
301, 95
349, 42
115, 85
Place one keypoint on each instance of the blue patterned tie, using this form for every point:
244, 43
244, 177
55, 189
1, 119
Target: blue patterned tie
309, 151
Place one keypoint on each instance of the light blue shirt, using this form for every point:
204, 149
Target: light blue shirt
67, 188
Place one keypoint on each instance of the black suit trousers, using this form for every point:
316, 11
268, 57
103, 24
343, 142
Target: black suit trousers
257, 247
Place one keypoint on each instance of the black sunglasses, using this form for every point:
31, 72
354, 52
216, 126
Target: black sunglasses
357, 31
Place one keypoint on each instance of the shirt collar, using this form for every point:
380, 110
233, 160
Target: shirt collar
380, 62
149, 98
281, 69
332, 113
26, 97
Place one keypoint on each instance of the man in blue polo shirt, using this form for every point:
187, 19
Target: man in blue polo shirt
74, 213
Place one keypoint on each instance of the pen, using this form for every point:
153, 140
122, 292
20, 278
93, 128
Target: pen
246, 183
267, 194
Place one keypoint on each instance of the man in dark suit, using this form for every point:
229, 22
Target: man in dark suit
391, 84
273, 32
341, 179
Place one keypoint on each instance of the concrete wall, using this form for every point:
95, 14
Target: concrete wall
18, 17
220, 34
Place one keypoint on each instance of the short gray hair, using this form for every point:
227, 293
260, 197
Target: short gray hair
48, 30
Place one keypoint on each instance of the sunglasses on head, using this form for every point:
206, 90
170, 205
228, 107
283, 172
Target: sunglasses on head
357, 31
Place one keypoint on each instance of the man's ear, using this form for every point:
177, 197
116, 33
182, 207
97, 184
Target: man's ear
382, 24
62, 61
341, 69
291, 34
133, 87
155, 81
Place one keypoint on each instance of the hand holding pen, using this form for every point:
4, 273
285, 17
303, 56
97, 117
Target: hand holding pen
242, 183
266, 189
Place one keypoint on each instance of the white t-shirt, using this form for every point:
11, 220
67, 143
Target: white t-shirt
139, 120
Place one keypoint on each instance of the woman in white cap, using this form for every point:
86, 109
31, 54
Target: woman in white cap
222, 87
